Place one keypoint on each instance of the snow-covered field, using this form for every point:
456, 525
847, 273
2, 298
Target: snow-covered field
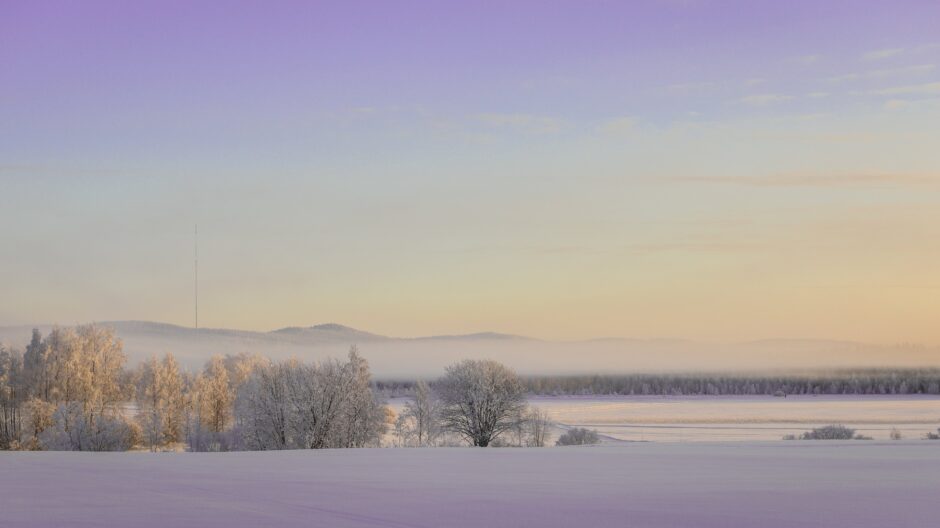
724, 418
759, 484
737, 418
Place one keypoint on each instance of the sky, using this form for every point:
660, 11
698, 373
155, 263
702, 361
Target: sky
716, 170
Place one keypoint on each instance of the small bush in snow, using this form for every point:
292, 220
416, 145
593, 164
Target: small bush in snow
932, 436
895, 433
833, 432
578, 436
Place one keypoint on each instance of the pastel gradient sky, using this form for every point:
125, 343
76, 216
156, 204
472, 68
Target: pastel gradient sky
719, 170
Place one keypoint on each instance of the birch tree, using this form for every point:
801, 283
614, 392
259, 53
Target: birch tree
420, 417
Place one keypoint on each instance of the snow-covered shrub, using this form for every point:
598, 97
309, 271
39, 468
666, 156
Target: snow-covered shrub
74, 429
832, 432
578, 436
895, 433
932, 436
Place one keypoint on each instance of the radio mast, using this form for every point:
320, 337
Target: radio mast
196, 272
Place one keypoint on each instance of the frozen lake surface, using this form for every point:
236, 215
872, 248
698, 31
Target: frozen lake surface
765, 484
732, 418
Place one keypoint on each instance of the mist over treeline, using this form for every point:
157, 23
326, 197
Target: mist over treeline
822, 382
72, 389
425, 357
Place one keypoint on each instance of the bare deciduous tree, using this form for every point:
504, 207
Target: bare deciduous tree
419, 421
537, 425
481, 399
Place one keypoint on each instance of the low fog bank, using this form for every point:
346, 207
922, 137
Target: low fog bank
420, 357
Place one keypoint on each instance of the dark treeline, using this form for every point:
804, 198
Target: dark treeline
877, 381
868, 381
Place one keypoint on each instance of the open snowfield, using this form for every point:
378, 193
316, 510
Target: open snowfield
727, 418
763, 484
737, 418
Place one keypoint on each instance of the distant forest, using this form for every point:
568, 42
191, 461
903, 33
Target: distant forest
868, 381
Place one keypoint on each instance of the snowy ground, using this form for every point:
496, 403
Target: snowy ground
736, 418
763, 484
727, 418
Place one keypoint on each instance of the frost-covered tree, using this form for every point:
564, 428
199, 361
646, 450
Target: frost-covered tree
13, 394
160, 401
37, 417
262, 408
292, 405
240, 367
73, 430
419, 423
84, 370
481, 399
214, 395
537, 425
363, 418
49, 364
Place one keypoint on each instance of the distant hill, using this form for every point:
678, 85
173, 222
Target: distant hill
408, 357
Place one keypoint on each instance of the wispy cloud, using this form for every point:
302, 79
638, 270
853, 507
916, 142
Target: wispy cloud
522, 122
818, 180
882, 54
765, 99
911, 89
695, 244
806, 60
692, 88
917, 69
896, 104
907, 104
618, 126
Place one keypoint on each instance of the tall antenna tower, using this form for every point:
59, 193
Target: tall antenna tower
196, 272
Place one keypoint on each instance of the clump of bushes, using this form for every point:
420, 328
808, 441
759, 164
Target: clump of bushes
932, 436
895, 433
829, 432
578, 436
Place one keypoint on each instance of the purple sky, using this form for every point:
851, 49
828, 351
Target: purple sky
578, 164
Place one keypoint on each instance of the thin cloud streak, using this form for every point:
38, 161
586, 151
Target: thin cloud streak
913, 89
882, 54
765, 99
807, 180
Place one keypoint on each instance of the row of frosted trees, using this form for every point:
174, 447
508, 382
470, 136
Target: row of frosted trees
70, 390
65, 392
